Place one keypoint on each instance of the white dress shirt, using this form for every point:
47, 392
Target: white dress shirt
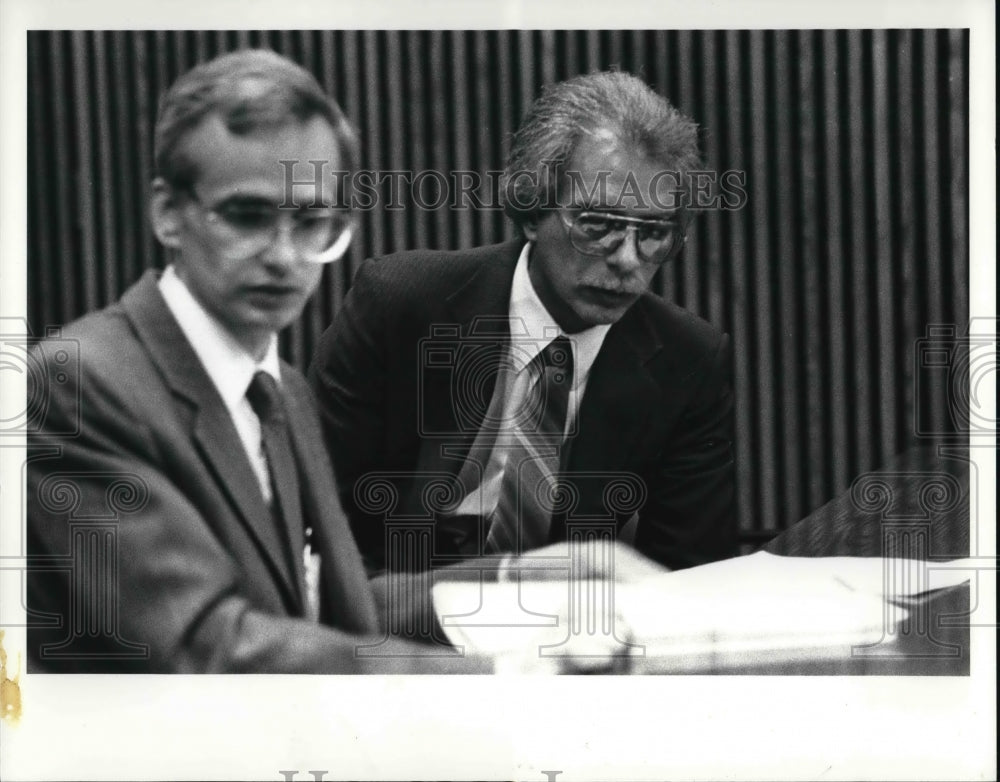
531, 329
231, 369
228, 365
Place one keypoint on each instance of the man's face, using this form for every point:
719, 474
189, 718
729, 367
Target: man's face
581, 290
256, 296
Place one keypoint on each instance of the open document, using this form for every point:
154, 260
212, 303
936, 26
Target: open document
745, 612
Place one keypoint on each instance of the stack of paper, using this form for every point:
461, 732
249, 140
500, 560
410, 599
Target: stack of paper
748, 611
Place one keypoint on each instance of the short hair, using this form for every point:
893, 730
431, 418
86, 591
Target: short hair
612, 101
250, 90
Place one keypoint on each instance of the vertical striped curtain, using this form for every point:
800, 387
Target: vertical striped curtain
852, 242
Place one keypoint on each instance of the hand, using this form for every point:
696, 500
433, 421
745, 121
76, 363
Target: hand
611, 651
596, 559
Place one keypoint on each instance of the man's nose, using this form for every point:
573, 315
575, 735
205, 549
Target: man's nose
283, 250
625, 259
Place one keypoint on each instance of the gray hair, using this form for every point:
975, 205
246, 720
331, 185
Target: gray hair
611, 101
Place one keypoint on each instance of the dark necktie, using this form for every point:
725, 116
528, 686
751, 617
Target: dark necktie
529, 486
286, 504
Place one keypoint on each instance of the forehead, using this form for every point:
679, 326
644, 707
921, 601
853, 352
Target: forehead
609, 174
264, 161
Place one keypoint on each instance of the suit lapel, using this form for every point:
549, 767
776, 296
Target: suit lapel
477, 325
619, 397
485, 294
220, 444
212, 428
346, 601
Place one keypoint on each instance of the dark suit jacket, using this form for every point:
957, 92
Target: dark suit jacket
150, 546
403, 376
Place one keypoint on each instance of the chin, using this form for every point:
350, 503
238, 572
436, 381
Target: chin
271, 323
602, 317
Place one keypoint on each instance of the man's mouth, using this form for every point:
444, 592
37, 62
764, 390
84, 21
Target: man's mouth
612, 296
273, 291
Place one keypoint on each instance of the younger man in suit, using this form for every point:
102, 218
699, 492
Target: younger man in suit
181, 509
531, 392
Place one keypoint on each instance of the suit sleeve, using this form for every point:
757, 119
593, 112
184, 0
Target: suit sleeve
126, 573
690, 517
348, 376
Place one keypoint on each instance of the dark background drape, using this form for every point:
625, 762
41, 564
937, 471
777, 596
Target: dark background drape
852, 244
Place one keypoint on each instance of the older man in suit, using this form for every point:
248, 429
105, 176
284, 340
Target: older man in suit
514, 393
181, 509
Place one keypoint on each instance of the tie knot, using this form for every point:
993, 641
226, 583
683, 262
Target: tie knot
558, 356
265, 398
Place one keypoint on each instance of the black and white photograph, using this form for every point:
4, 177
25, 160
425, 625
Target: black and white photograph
523, 394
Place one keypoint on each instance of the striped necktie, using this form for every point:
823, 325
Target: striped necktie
529, 486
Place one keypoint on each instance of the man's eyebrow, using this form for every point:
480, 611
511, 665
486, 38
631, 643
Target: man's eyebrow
604, 209
242, 199
619, 211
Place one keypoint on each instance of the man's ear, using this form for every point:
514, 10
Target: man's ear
165, 214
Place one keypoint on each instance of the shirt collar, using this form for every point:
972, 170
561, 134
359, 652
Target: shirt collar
228, 365
531, 322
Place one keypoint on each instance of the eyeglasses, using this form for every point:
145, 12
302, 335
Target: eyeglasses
601, 233
244, 227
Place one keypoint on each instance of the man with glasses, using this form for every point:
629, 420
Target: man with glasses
518, 393
181, 509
